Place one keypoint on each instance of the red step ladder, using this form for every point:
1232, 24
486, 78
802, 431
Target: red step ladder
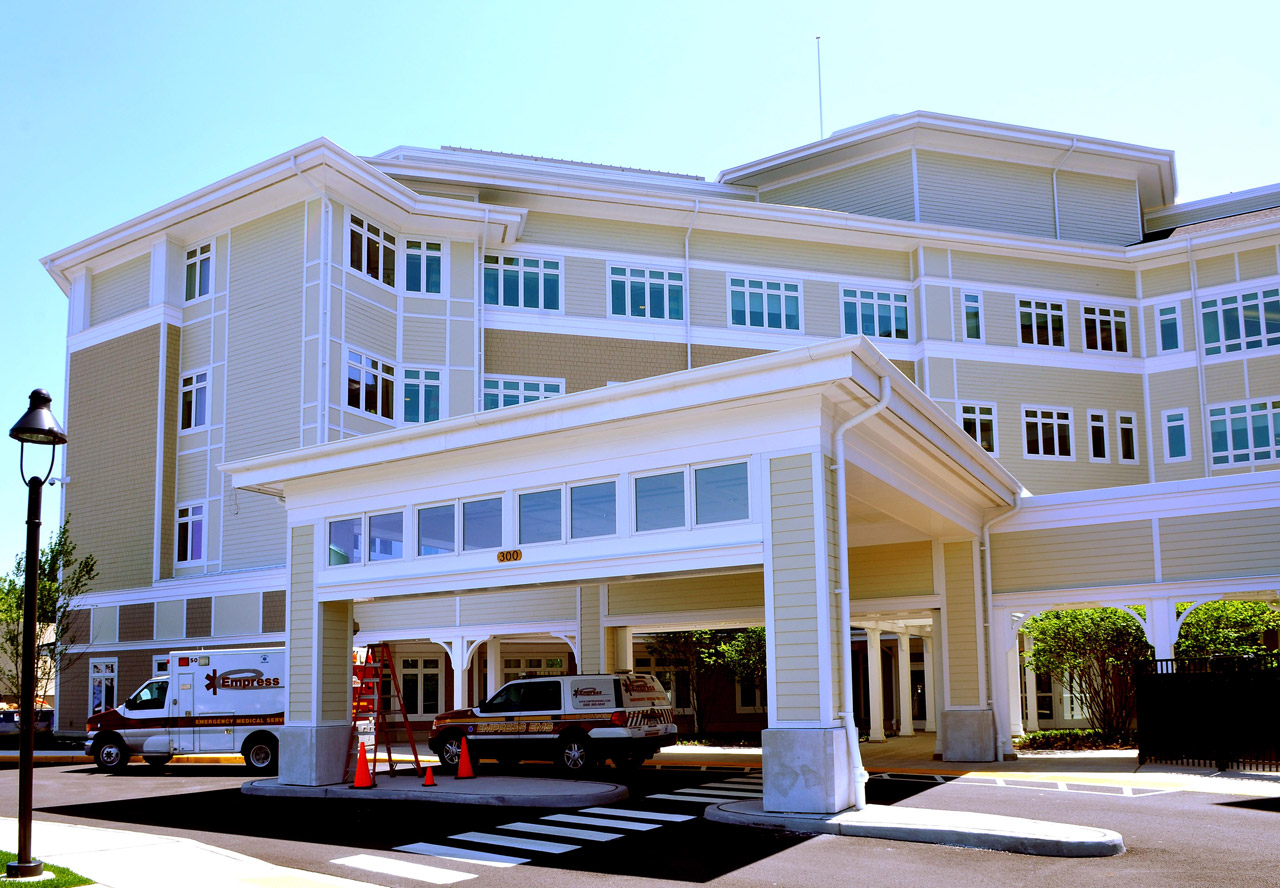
366, 707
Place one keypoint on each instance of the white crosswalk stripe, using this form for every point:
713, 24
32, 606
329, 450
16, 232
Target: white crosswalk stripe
417, 871
515, 842
448, 852
755, 780
725, 794
567, 832
688, 798
737, 786
601, 821
643, 815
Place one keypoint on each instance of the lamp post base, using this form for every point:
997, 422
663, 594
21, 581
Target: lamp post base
19, 870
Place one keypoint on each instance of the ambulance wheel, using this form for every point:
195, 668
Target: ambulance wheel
156, 761
110, 754
449, 751
575, 754
260, 753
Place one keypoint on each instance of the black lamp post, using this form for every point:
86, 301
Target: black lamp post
37, 426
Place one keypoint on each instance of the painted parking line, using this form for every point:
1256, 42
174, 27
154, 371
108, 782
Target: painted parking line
466, 855
688, 798
602, 821
418, 871
484, 838
738, 786
727, 794
643, 815
1064, 786
564, 832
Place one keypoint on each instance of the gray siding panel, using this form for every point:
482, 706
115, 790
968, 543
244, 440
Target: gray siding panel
973, 192
120, 290
880, 187
584, 287
1098, 209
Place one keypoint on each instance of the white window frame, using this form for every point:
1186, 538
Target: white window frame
690, 495
1176, 316
421, 671
540, 393
738, 708
457, 527
192, 382
461, 541
1039, 420
383, 372
371, 231
421, 383
564, 513
1234, 303
743, 283
976, 304
1099, 316
976, 407
1051, 309
360, 550
404, 534
199, 521
619, 509
199, 258
1226, 413
501, 262
114, 672
156, 661
1097, 419
423, 249
872, 296
1126, 419
1167, 425
631, 273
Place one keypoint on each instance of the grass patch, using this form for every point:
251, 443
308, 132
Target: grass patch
62, 877
1071, 738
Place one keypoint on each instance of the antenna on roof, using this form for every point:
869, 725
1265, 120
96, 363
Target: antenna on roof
818, 42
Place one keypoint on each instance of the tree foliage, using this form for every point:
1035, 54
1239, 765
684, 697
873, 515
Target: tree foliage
1226, 629
61, 578
709, 657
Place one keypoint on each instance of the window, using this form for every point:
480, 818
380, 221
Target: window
768, 305
373, 251
1169, 320
1048, 432
421, 267
344, 541
199, 271
370, 385
1245, 432
515, 282
482, 524
1246, 321
436, 531
875, 314
160, 664
660, 501
509, 391
419, 686
421, 395
720, 494
1098, 436
1106, 329
152, 695
190, 546
646, 293
195, 400
102, 685
386, 536
540, 517
973, 316
1176, 443
593, 510
1127, 424
979, 423
1042, 323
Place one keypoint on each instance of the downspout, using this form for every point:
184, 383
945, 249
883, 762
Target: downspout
326, 275
688, 292
1057, 229
479, 334
857, 774
1200, 380
987, 612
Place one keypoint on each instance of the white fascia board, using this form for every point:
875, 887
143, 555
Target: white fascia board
264, 580
1210, 203
879, 607
1258, 588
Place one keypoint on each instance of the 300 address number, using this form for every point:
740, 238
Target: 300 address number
510, 555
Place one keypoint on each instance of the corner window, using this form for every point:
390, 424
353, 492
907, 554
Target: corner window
646, 293
422, 267
720, 494
1176, 447
660, 501
1169, 321
1098, 436
1127, 428
386, 536
199, 272
370, 385
593, 510
195, 401
979, 423
1047, 432
1246, 432
1106, 329
540, 517
482, 524
766, 305
372, 251
345, 541
973, 316
190, 541
1042, 323
509, 391
1240, 322
872, 313
421, 395
436, 531
518, 282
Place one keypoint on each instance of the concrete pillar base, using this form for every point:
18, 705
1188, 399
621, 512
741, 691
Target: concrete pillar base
313, 756
968, 735
806, 770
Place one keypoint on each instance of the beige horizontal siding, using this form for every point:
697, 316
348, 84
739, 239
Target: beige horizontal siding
687, 594
197, 345
716, 246
192, 476
708, 298
1232, 544
523, 606
1098, 209
1264, 376
1174, 390
370, 328
1103, 554
961, 625
999, 317
414, 615
795, 614
982, 268
584, 287
1224, 381
822, 309
1257, 263
117, 291
973, 192
301, 622
335, 663
941, 378
1166, 279
582, 231
939, 313
253, 530
583, 362
882, 187
891, 570
424, 340
1216, 270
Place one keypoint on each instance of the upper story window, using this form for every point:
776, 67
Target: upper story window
509, 391
422, 264
190, 541
875, 314
518, 282
1106, 329
482, 524
719, 495
373, 251
1245, 432
345, 536
979, 423
195, 401
973, 316
199, 271
386, 536
1098, 451
646, 293
370, 385
421, 395
767, 305
1243, 321
1169, 321
1042, 323
1176, 442
1047, 432
1127, 429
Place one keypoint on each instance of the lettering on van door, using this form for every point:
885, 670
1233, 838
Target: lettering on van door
239, 680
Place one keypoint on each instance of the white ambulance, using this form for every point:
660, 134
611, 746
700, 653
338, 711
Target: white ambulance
228, 701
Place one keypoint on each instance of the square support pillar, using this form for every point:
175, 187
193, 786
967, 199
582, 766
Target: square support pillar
905, 727
808, 770
875, 688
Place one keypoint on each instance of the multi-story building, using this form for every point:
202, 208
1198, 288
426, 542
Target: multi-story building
924, 377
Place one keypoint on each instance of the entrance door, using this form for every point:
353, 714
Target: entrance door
185, 737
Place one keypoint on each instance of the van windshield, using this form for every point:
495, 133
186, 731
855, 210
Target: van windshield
150, 696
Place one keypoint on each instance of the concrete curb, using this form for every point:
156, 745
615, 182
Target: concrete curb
991, 832
524, 792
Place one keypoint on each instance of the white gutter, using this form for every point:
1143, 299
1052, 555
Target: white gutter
479, 333
1057, 227
688, 324
986, 616
857, 774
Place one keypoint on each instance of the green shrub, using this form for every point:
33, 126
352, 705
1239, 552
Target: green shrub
1071, 738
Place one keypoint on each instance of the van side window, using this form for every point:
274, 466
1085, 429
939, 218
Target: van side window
150, 696
540, 696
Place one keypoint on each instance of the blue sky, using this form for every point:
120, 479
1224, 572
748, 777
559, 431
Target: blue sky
109, 110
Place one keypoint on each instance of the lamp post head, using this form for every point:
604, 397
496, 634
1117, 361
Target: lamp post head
38, 425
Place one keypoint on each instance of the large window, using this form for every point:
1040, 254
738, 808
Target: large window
199, 272
421, 267
593, 510
195, 400
1245, 432
979, 423
1237, 322
973, 316
373, 251
371, 385
1047, 432
872, 313
720, 494
1106, 329
421, 395
345, 541
102, 685
190, 542
436, 530
482, 524
1170, 322
766, 305
1176, 443
419, 686
509, 391
646, 293
386, 536
1042, 323
518, 282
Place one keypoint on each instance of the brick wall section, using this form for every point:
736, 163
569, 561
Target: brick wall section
137, 622
168, 483
584, 362
199, 617
273, 610
111, 499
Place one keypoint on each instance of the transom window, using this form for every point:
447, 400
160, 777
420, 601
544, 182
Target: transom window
720, 494
421, 395
345, 541
199, 271
1106, 329
768, 305
373, 251
1237, 322
1047, 432
1042, 323
873, 313
195, 400
507, 392
190, 542
370, 385
1170, 323
421, 266
517, 282
386, 536
979, 423
646, 293
1247, 432
972, 315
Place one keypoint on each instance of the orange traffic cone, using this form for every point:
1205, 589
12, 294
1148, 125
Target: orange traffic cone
364, 777
428, 778
464, 763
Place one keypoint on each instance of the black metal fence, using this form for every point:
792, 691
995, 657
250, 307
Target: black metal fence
1220, 712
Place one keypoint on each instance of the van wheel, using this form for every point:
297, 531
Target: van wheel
574, 755
156, 762
449, 751
260, 752
110, 754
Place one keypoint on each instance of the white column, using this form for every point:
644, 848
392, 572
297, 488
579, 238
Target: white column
905, 727
930, 687
1001, 701
875, 687
1031, 721
938, 702
623, 648
492, 666
1015, 689
1161, 628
